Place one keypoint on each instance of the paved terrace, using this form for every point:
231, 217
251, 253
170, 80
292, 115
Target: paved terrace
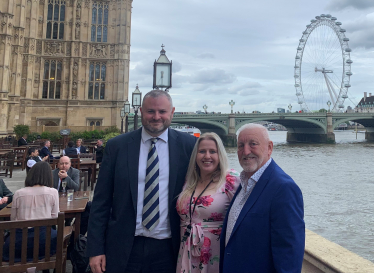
320, 255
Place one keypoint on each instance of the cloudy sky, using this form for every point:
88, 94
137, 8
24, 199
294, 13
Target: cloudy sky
242, 50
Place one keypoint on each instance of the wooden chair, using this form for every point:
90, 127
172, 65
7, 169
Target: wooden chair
88, 155
54, 163
20, 155
57, 261
7, 164
83, 179
75, 163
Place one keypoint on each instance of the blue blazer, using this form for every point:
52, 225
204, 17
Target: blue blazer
269, 234
112, 223
44, 152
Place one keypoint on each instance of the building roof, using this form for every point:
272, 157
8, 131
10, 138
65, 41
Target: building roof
368, 100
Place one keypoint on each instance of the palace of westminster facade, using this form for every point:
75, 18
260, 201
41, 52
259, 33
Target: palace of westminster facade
63, 62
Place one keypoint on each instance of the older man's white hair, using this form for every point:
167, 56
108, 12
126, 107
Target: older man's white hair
254, 126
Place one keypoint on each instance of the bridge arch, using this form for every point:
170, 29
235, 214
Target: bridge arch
204, 125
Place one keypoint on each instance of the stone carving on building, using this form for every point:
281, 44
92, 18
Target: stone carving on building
112, 48
39, 47
74, 90
77, 30
87, 4
84, 50
75, 70
68, 49
54, 48
40, 20
98, 51
26, 46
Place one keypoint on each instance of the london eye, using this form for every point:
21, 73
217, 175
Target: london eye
323, 65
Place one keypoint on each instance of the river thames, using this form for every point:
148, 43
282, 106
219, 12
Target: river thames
337, 181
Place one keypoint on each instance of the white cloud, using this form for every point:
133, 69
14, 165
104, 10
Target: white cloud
337, 5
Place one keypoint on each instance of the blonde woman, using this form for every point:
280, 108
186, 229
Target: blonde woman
203, 204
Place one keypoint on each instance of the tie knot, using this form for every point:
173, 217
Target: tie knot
154, 140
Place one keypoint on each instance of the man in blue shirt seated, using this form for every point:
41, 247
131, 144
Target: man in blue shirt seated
70, 150
80, 149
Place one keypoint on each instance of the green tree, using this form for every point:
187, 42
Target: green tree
21, 130
323, 110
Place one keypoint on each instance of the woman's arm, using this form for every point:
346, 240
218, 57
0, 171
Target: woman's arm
55, 205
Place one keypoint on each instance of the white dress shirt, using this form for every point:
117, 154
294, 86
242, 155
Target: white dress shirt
162, 230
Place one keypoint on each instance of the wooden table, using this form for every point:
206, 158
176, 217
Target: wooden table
90, 165
71, 209
5, 152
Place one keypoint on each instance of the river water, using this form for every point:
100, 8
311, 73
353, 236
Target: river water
337, 181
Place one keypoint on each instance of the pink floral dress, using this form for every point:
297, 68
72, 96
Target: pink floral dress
200, 252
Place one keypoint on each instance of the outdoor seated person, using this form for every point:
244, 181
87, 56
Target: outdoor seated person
45, 151
22, 141
80, 149
99, 149
34, 157
6, 196
71, 176
65, 172
38, 200
70, 150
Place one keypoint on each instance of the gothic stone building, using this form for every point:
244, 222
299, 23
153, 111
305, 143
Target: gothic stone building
63, 62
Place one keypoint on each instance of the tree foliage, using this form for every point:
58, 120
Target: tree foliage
21, 130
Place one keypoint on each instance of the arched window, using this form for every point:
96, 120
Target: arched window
99, 27
52, 79
55, 19
97, 78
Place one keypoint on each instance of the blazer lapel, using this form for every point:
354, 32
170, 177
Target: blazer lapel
255, 194
173, 162
133, 148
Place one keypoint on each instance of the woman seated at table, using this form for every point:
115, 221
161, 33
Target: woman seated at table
203, 204
38, 200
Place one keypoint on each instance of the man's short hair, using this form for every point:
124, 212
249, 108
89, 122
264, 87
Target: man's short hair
253, 126
79, 139
45, 142
158, 93
70, 144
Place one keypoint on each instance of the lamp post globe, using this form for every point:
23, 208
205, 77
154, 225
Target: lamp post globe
290, 107
205, 107
136, 103
232, 103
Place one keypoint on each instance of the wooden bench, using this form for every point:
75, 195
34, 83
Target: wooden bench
57, 261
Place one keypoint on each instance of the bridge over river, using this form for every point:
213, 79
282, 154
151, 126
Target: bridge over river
302, 127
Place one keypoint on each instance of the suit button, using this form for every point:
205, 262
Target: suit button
228, 253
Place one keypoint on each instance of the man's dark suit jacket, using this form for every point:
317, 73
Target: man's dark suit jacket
269, 234
72, 181
5, 192
71, 151
99, 154
83, 149
22, 142
44, 152
112, 222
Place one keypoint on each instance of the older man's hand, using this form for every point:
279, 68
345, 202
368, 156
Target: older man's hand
62, 174
4, 200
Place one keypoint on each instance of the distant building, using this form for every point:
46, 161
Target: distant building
63, 62
366, 104
281, 110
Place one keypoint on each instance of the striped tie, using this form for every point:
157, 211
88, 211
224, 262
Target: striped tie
151, 213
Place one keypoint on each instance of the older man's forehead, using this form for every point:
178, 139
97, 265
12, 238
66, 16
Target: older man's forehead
250, 134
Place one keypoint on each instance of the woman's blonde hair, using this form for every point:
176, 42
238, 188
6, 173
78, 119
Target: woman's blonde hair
193, 172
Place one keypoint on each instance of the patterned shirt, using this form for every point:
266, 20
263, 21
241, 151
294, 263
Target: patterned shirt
242, 197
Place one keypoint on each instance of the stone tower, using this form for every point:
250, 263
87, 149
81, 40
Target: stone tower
63, 62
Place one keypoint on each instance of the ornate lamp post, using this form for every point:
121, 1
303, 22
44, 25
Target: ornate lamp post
290, 107
162, 71
232, 103
328, 104
205, 107
126, 108
136, 103
122, 116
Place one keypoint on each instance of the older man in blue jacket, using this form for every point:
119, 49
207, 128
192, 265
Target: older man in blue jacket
264, 230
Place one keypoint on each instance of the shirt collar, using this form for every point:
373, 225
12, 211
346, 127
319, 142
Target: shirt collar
146, 136
255, 177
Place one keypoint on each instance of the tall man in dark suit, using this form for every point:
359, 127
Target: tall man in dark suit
134, 226
264, 230
99, 149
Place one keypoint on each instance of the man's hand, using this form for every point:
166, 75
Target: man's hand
97, 264
4, 200
46, 158
62, 174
